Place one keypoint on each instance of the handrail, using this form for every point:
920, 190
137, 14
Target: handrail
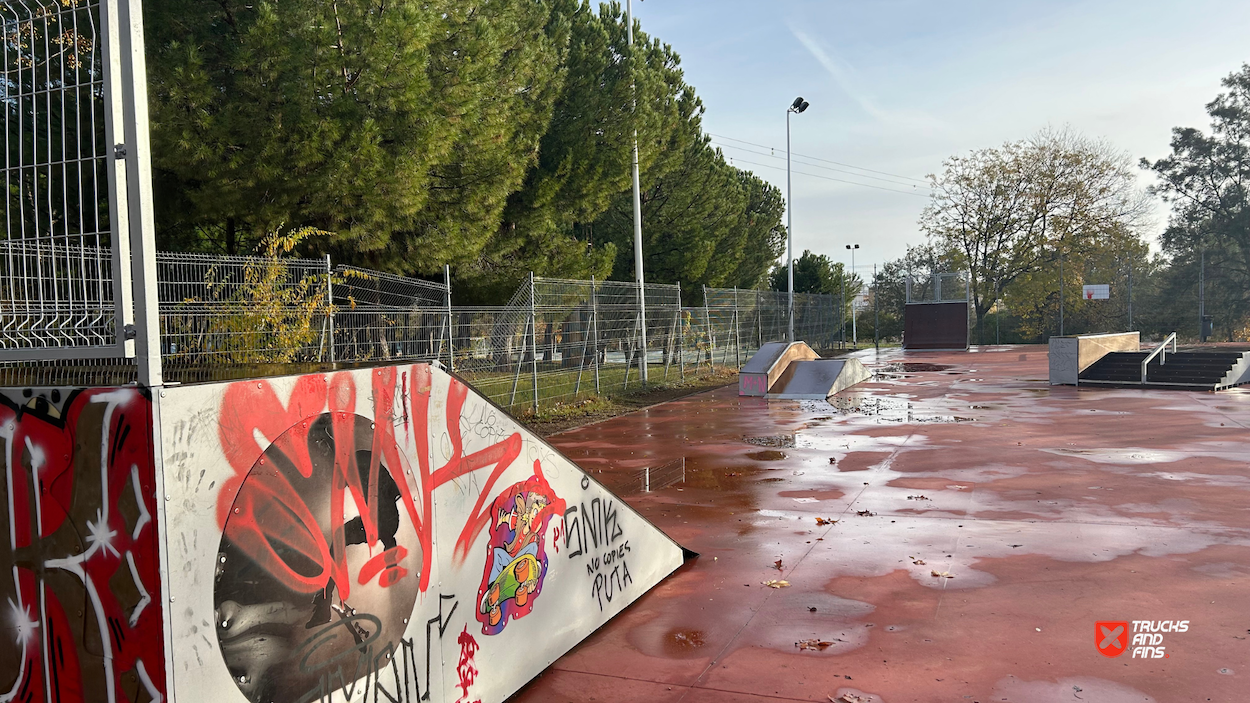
1161, 352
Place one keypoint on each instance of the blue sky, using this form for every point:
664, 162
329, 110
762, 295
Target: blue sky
899, 85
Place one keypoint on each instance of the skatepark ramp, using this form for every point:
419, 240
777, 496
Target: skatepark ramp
792, 370
380, 533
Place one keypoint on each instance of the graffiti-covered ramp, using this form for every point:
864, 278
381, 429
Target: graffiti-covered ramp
381, 534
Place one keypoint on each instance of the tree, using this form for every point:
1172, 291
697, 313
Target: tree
402, 126
1206, 180
814, 273
1029, 205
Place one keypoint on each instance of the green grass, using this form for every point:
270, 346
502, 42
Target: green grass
559, 389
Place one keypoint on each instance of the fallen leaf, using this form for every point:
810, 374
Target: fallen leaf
919, 562
812, 609
1013, 546
814, 644
849, 698
865, 513
942, 574
825, 521
774, 583
917, 497
777, 565
832, 460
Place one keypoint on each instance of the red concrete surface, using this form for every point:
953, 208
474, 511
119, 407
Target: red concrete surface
1052, 508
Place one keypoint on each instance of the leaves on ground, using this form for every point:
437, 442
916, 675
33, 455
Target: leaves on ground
821, 521
864, 513
942, 574
813, 644
919, 562
775, 583
777, 565
920, 497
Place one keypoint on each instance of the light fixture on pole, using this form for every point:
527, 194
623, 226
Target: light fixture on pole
642, 301
859, 289
799, 105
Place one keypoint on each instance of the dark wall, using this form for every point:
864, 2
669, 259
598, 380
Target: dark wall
935, 326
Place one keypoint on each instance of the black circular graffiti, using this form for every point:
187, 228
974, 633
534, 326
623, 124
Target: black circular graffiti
318, 567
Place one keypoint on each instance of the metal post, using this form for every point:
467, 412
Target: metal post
681, 335
1201, 293
1130, 297
711, 338
642, 305
137, 152
854, 329
1061, 286
451, 329
789, 234
114, 123
737, 334
330, 308
876, 311
842, 311
533, 343
594, 327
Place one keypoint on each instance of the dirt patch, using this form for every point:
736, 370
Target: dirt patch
767, 455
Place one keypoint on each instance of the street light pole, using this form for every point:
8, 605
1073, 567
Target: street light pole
799, 105
854, 295
642, 300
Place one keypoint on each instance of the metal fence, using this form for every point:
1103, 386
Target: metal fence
76, 179
555, 341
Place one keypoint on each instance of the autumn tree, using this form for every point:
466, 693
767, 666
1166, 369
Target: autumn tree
1015, 210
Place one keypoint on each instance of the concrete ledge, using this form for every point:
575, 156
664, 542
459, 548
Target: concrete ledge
1071, 355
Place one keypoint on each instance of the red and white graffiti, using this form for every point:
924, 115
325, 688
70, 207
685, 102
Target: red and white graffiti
79, 622
252, 415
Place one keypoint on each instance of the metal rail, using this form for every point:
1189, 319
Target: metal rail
1161, 352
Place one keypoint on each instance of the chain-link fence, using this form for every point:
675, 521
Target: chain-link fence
555, 341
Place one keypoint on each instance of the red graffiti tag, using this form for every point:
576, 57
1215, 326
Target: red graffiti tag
252, 415
466, 670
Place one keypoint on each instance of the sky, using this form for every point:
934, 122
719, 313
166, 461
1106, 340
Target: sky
897, 86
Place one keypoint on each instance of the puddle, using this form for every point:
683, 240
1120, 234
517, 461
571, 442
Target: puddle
769, 454
890, 409
682, 643
781, 440
912, 367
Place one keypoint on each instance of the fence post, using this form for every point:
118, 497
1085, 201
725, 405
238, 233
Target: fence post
451, 329
594, 324
711, 338
759, 320
330, 307
114, 133
681, 334
534, 342
642, 329
737, 334
137, 152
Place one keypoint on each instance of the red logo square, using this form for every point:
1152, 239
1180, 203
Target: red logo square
1111, 637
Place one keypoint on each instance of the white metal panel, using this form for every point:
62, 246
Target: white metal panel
453, 468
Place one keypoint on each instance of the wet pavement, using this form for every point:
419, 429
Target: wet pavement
983, 522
